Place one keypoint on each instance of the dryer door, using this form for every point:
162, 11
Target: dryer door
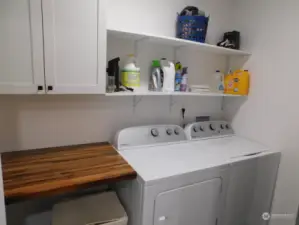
191, 205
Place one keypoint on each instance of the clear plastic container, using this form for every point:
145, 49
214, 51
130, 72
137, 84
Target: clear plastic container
218, 82
111, 84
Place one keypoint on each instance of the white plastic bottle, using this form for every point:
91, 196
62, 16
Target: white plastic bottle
218, 82
131, 73
168, 69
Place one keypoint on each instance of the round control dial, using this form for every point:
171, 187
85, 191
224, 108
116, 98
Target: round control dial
212, 127
227, 126
155, 132
169, 131
177, 131
202, 128
222, 126
195, 129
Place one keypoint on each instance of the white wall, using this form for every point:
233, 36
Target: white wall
271, 113
28, 122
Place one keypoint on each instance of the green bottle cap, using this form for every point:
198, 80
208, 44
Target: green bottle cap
156, 63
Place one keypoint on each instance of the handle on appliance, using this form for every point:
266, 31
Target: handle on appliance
248, 155
162, 218
253, 154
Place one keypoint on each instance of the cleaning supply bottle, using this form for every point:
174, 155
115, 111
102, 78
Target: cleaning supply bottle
168, 74
218, 82
178, 76
131, 73
184, 83
241, 80
156, 80
237, 83
244, 79
229, 83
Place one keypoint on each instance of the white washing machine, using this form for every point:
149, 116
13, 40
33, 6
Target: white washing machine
183, 182
253, 171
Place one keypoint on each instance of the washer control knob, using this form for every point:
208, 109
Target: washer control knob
155, 132
227, 126
222, 126
195, 129
212, 127
169, 131
202, 128
177, 131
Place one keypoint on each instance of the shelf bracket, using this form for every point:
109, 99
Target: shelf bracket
136, 101
222, 103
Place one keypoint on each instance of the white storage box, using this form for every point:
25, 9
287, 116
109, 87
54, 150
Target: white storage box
100, 209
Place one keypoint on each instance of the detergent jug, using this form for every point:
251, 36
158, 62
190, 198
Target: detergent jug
237, 83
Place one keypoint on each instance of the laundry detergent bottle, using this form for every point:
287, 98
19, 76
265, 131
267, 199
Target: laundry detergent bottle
131, 73
243, 77
237, 83
168, 69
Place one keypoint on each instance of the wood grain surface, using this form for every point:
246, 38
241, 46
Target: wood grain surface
34, 172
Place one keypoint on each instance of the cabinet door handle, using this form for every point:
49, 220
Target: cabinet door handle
50, 88
40, 88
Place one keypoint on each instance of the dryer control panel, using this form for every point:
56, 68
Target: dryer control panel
148, 135
208, 129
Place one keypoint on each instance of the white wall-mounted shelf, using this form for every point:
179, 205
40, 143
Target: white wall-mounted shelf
176, 42
149, 93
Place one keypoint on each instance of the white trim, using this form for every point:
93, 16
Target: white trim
102, 46
211, 94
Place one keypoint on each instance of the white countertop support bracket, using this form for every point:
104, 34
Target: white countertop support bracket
136, 101
172, 102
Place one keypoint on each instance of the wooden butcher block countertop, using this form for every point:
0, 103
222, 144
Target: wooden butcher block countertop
33, 172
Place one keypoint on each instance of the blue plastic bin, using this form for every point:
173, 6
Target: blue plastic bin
192, 28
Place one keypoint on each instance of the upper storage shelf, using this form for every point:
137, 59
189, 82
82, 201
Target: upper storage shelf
176, 42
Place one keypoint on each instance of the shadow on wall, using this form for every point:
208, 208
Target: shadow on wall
232, 106
9, 124
297, 221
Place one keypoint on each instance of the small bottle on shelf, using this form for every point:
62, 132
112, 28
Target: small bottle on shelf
218, 82
184, 82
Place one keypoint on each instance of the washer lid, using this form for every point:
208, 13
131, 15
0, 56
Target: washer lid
230, 146
157, 162
162, 161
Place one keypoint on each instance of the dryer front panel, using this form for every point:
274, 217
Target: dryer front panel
189, 205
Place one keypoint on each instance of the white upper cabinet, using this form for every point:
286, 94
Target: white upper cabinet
74, 46
21, 47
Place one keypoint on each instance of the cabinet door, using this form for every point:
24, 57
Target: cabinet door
2, 204
75, 46
21, 47
196, 204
